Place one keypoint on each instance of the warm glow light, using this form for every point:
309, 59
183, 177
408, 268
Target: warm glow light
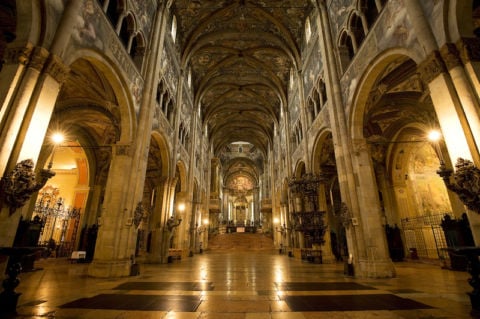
276, 220
205, 221
181, 207
57, 138
434, 136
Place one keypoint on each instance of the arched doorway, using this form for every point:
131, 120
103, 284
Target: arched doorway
397, 115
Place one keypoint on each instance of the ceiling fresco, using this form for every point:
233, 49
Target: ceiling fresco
240, 54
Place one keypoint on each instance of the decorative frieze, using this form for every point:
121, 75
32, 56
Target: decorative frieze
431, 67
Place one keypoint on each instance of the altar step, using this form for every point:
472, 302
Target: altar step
241, 242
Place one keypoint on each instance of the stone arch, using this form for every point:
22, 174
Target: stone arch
300, 169
118, 85
367, 82
164, 151
181, 175
391, 114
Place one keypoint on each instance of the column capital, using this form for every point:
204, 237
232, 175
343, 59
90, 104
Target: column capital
450, 56
359, 146
56, 68
431, 67
20, 55
122, 149
38, 58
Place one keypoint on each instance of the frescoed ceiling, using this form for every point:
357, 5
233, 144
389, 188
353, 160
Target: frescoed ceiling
241, 53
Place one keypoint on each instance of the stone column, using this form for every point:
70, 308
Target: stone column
93, 205
345, 168
377, 263
327, 254
160, 236
470, 114
454, 125
112, 251
32, 93
469, 49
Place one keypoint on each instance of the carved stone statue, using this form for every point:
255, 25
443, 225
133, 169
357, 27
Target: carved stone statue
17, 186
139, 214
171, 223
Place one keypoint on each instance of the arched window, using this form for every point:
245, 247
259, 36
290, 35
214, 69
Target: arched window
356, 27
173, 31
369, 8
322, 92
137, 49
345, 50
114, 10
308, 30
126, 31
311, 108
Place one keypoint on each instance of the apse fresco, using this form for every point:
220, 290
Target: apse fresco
240, 183
430, 192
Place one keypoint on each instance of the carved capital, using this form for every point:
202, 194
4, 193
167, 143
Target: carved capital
450, 56
20, 55
469, 49
38, 58
431, 67
359, 146
122, 149
57, 69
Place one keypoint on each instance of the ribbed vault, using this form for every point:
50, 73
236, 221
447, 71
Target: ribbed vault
240, 53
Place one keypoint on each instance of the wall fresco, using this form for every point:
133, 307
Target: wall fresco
338, 11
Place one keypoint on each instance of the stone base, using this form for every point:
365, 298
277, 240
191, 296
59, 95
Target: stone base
8, 302
156, 259
375, 269
110, 268
328, 258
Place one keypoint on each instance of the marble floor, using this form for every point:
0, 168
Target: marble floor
238, 285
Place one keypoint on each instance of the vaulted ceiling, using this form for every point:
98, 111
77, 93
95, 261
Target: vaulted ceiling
240, 53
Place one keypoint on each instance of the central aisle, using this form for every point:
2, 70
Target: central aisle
243, 285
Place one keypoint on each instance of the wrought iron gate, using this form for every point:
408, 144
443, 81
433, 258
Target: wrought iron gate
424, 236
